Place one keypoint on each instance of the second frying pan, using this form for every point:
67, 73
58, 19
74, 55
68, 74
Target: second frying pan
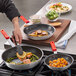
52, 57
29, 29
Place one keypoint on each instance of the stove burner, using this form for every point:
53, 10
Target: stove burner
63, 73
39, 70
31, 72
45, 71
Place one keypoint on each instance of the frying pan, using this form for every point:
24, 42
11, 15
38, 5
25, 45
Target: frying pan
52, 57
12, 53
29, 29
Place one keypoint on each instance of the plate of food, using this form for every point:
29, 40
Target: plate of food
59, 7
52, 15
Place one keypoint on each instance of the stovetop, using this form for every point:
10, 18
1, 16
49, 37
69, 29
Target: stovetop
39, 70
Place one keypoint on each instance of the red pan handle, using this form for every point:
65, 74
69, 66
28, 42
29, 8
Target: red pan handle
4, 34
53, 46
24, 19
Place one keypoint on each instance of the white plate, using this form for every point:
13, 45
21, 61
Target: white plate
64, 4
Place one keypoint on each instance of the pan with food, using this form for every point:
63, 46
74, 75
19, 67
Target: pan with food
31, 56
58, 61
39, 31
12, 61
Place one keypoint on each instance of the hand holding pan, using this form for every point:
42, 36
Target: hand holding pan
56, 55
20, 52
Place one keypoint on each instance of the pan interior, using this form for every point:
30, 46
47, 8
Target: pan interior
16, 61
12, 52
52, 57
35, 27
38, 26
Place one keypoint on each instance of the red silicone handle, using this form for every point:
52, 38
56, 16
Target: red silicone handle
4, 34
24, 19
53, 46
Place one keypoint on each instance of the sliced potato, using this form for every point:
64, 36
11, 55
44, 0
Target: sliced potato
21, 56
39, 33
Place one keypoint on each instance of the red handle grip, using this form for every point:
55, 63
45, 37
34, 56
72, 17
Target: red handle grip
24, 19
4, 34
53, 46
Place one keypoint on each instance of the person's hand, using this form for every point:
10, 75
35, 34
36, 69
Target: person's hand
18, 35
17, 32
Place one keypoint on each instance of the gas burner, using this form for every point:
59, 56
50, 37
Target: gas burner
45, 71
39, 70
62, 73
31, 72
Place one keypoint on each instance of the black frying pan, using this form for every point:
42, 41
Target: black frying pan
52, 57
12, 53
29, 29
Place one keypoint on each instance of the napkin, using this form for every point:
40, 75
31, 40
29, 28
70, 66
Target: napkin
64, 40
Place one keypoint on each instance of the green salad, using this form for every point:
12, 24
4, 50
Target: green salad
51, 15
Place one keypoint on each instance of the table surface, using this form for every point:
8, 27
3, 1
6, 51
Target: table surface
70, 48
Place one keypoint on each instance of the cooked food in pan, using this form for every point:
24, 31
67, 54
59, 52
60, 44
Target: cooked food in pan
59, 7
39, 33
21, 57
29, 58
60, 62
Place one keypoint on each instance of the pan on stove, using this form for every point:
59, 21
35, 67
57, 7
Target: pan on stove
52, 57
29, 29
12, 53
